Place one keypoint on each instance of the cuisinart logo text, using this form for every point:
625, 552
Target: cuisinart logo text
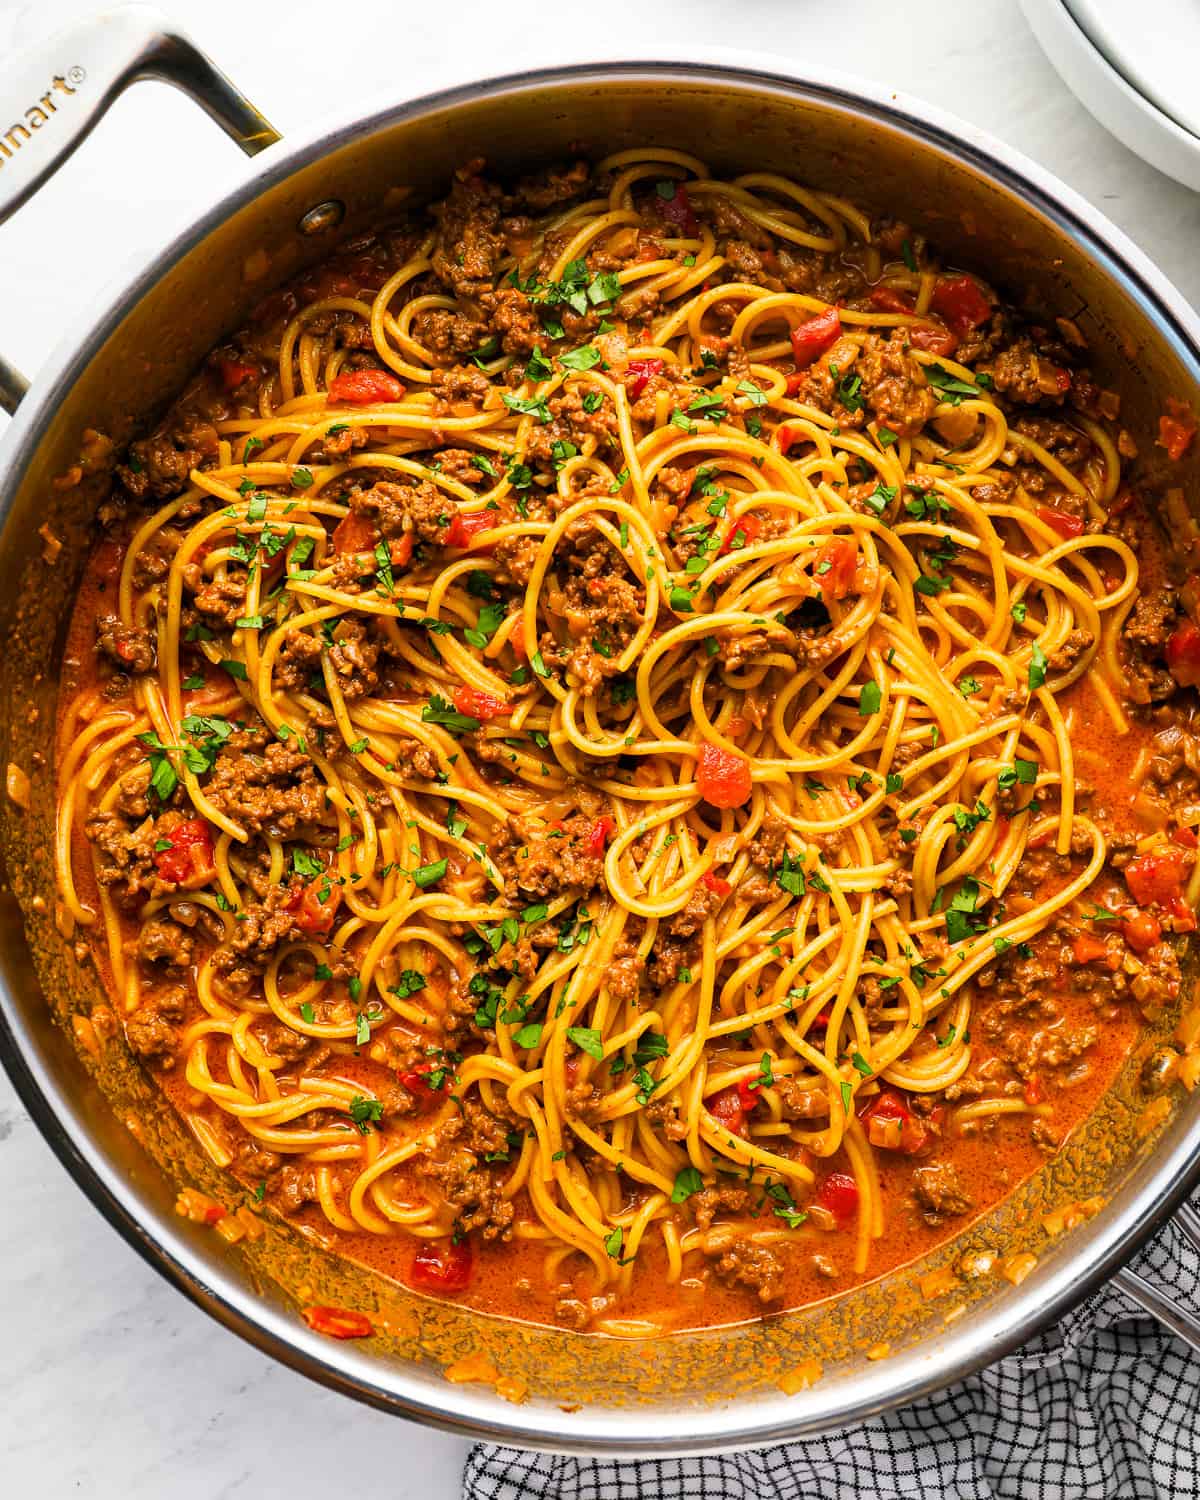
38, 114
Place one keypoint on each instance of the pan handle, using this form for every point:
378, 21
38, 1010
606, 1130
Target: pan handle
52, 95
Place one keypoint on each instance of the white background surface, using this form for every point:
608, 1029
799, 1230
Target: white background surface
112, 1385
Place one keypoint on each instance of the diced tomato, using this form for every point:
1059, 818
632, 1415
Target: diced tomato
747, 1092
932, 340
839, 1194
189, 860
822, 1019
811, 338
835, 567
598, 836
1185, 838
315, 916
892, 1125
1086, 948
1141, 931
793, 387
442, 1269
400, 552
1156, 877
786, 437
886, 300
960, 303
1062, 521
467, 525
723, 777
365, 387
234, 373
338, 1322
731, 1106
469, 700
741, 533
639, 373
354, 533
1176, 429
416, 1081
677, 210
716, 883
1183, 654
1034, 1092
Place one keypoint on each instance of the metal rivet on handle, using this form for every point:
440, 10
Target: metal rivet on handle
322, 217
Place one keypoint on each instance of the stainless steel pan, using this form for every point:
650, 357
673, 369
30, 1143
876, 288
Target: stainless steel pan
988, 208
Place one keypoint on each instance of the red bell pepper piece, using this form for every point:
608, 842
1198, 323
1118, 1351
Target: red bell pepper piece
314, 916
442, 1269
467, 525
723, 777
839, 1194
1176, 429
890, 1107
354, 533
598, 836
959, 302
1062, 521
811, 338
730, 1106
716, 883
1185, 838
417, 1082
365, 387
741, 533
400, 552
1183, 654
639, 374
189, 860
338, 1322
834, 569
469, 700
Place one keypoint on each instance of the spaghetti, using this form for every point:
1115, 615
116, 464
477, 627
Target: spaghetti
583, 720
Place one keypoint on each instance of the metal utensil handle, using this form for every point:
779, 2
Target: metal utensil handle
53, 94
1160, 1307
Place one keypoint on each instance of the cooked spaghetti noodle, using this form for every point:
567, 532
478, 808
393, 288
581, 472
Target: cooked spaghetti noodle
592, 668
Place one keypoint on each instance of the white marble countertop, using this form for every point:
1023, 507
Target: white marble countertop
113, 1385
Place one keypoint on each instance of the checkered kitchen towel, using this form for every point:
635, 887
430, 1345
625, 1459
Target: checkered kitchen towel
1104, 1407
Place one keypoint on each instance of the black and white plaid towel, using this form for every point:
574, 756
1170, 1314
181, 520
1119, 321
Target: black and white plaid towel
1104, 1407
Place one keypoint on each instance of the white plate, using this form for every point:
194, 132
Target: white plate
1154, 45
1139, 34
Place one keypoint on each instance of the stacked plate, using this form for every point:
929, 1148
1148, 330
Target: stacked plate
1132, 63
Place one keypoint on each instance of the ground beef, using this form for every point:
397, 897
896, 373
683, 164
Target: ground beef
291, 1187
158, 466
670, 958
515, 558
396, 510
125, 855
1019, 374
161, 941
267, 924
281, 1041
473, 1192
740, 1262
800, 1102
701, 904
128, 647
939, 1192
1077, 644
469, 243
220, 600
448, 335
1153, 619
298, 662
149, 1030
266, 785
725, 1198
542, 861
412, 754
892, 385
354, 653
572, 423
